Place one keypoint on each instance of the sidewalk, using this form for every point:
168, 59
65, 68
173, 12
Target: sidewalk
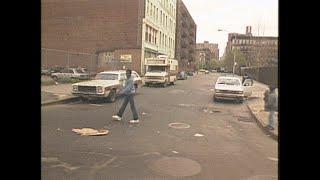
256, 106
56, 93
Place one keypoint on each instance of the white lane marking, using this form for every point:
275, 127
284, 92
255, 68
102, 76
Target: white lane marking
98, 105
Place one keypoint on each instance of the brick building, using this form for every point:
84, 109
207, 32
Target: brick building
186, 31
213, 47
114, 31
258, 50
203, 56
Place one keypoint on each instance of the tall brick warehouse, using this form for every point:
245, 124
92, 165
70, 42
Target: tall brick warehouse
112, 30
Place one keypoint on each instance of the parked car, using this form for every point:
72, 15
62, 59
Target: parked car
202, 70
45, 72
221, 70
106, 85
228, 87
56, 69
182, 75
206, 72
189, 73
70, 73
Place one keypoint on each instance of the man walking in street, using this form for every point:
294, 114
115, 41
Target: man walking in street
128, 91
271, 105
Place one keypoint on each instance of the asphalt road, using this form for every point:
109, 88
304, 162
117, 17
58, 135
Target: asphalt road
229, 144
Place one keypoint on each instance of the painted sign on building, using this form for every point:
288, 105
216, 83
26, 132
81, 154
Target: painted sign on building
126, 58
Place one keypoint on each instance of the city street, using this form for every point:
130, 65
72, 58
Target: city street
219, 141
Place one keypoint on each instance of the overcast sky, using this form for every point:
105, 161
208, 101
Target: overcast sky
233, 16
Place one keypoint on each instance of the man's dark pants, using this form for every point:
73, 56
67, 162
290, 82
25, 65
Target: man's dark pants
128, 98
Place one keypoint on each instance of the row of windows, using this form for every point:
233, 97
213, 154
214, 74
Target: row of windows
160, 17
247, 41
250, 48
151, 37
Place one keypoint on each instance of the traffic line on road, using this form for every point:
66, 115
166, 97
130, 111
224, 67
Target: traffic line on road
98, 105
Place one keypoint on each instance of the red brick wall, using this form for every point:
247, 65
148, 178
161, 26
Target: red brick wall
89, 26
117, 64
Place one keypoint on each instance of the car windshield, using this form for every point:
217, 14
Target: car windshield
79, 71
233, 82
156, 68
105, 76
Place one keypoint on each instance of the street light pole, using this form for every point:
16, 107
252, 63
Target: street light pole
234, 55
234, 51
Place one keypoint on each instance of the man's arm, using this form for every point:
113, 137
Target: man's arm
128, 87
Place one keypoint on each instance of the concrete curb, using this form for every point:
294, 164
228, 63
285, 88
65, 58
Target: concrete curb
60, 101
262, 125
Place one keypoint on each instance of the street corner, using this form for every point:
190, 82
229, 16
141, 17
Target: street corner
262, 119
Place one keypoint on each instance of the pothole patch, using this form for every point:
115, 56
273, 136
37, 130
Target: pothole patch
244, 119
179, 125
175, 166
263, 177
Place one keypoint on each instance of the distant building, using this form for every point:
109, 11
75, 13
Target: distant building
113, 30
186, 31
214, 48
258, 50
203, 56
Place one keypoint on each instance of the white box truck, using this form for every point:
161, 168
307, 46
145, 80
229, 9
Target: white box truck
161, 70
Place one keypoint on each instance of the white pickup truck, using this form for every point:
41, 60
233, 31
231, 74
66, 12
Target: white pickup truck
106, 85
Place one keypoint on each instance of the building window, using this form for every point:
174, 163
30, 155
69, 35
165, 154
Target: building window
154, 12
151, 8
148, 8
157, 15
146, 34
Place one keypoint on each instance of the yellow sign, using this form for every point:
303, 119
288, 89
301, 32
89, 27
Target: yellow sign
126, 57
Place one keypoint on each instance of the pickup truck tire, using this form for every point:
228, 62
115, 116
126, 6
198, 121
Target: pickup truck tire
112, 96
164, 85
83, 99
240, 101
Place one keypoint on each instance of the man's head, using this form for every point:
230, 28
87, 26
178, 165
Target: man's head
128, 73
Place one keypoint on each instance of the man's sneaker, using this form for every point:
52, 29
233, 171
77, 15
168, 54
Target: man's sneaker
134, 121
116, 117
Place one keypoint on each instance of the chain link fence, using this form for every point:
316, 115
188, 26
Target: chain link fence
266, 75
54, 58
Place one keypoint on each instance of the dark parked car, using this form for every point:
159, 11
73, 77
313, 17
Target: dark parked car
182, 75
190, 73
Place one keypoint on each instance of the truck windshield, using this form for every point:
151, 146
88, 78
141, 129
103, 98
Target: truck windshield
156, 68
107, 76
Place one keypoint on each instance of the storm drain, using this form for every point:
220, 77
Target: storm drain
179, 125
175, 166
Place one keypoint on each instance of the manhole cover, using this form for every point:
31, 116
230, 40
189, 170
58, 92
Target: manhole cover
179, 125
175, 166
